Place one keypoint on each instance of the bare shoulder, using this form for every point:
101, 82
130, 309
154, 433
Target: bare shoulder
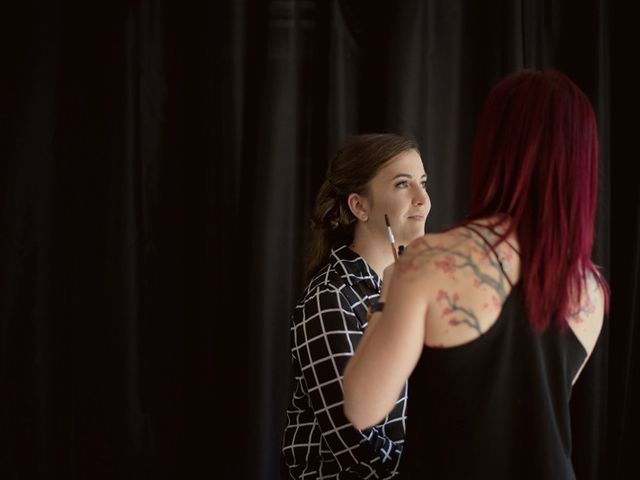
463, 281
586, 315
431, 252
460, 255
431, 261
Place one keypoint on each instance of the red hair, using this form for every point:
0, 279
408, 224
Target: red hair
535, 158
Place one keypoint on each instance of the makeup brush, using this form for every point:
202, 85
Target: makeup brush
391, 239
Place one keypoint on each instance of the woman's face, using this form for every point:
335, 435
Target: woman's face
399, 190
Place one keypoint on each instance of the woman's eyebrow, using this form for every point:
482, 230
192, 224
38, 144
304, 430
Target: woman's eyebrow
424, 175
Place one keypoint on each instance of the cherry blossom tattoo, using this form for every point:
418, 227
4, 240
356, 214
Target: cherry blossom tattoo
586, 307
467, 316
456, 257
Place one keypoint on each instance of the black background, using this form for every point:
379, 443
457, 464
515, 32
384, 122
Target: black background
158, 163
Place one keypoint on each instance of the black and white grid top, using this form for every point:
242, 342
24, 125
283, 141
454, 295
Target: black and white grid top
326, 326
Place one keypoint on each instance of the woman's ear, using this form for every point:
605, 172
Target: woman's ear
359, 206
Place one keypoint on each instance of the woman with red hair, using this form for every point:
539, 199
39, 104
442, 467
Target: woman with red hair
493, 320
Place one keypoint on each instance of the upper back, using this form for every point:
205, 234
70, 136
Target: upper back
467, 282
468, 278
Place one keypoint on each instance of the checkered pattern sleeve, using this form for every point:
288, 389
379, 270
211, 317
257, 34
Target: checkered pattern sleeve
325, 336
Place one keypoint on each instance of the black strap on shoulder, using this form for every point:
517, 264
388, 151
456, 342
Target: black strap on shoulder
490, 245
497, 234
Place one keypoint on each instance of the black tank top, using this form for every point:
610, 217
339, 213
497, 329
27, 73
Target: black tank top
496, 407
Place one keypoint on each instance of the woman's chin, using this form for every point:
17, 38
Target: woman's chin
413, 234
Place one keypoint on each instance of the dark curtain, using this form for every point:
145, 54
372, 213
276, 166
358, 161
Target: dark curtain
159, 161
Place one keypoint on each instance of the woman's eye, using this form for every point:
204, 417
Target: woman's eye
424, 184
402, 184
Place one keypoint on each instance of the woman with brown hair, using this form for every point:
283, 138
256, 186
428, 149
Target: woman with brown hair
372, 176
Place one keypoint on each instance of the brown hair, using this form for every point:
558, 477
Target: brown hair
353, 167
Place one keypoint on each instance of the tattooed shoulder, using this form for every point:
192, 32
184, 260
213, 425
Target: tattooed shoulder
458, 256
428, 251
590, 302
586, 318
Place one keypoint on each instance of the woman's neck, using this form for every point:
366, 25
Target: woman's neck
375, 251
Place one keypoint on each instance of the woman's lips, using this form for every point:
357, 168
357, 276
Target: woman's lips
417, 217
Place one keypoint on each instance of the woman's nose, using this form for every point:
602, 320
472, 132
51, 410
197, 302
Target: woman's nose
420, 197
